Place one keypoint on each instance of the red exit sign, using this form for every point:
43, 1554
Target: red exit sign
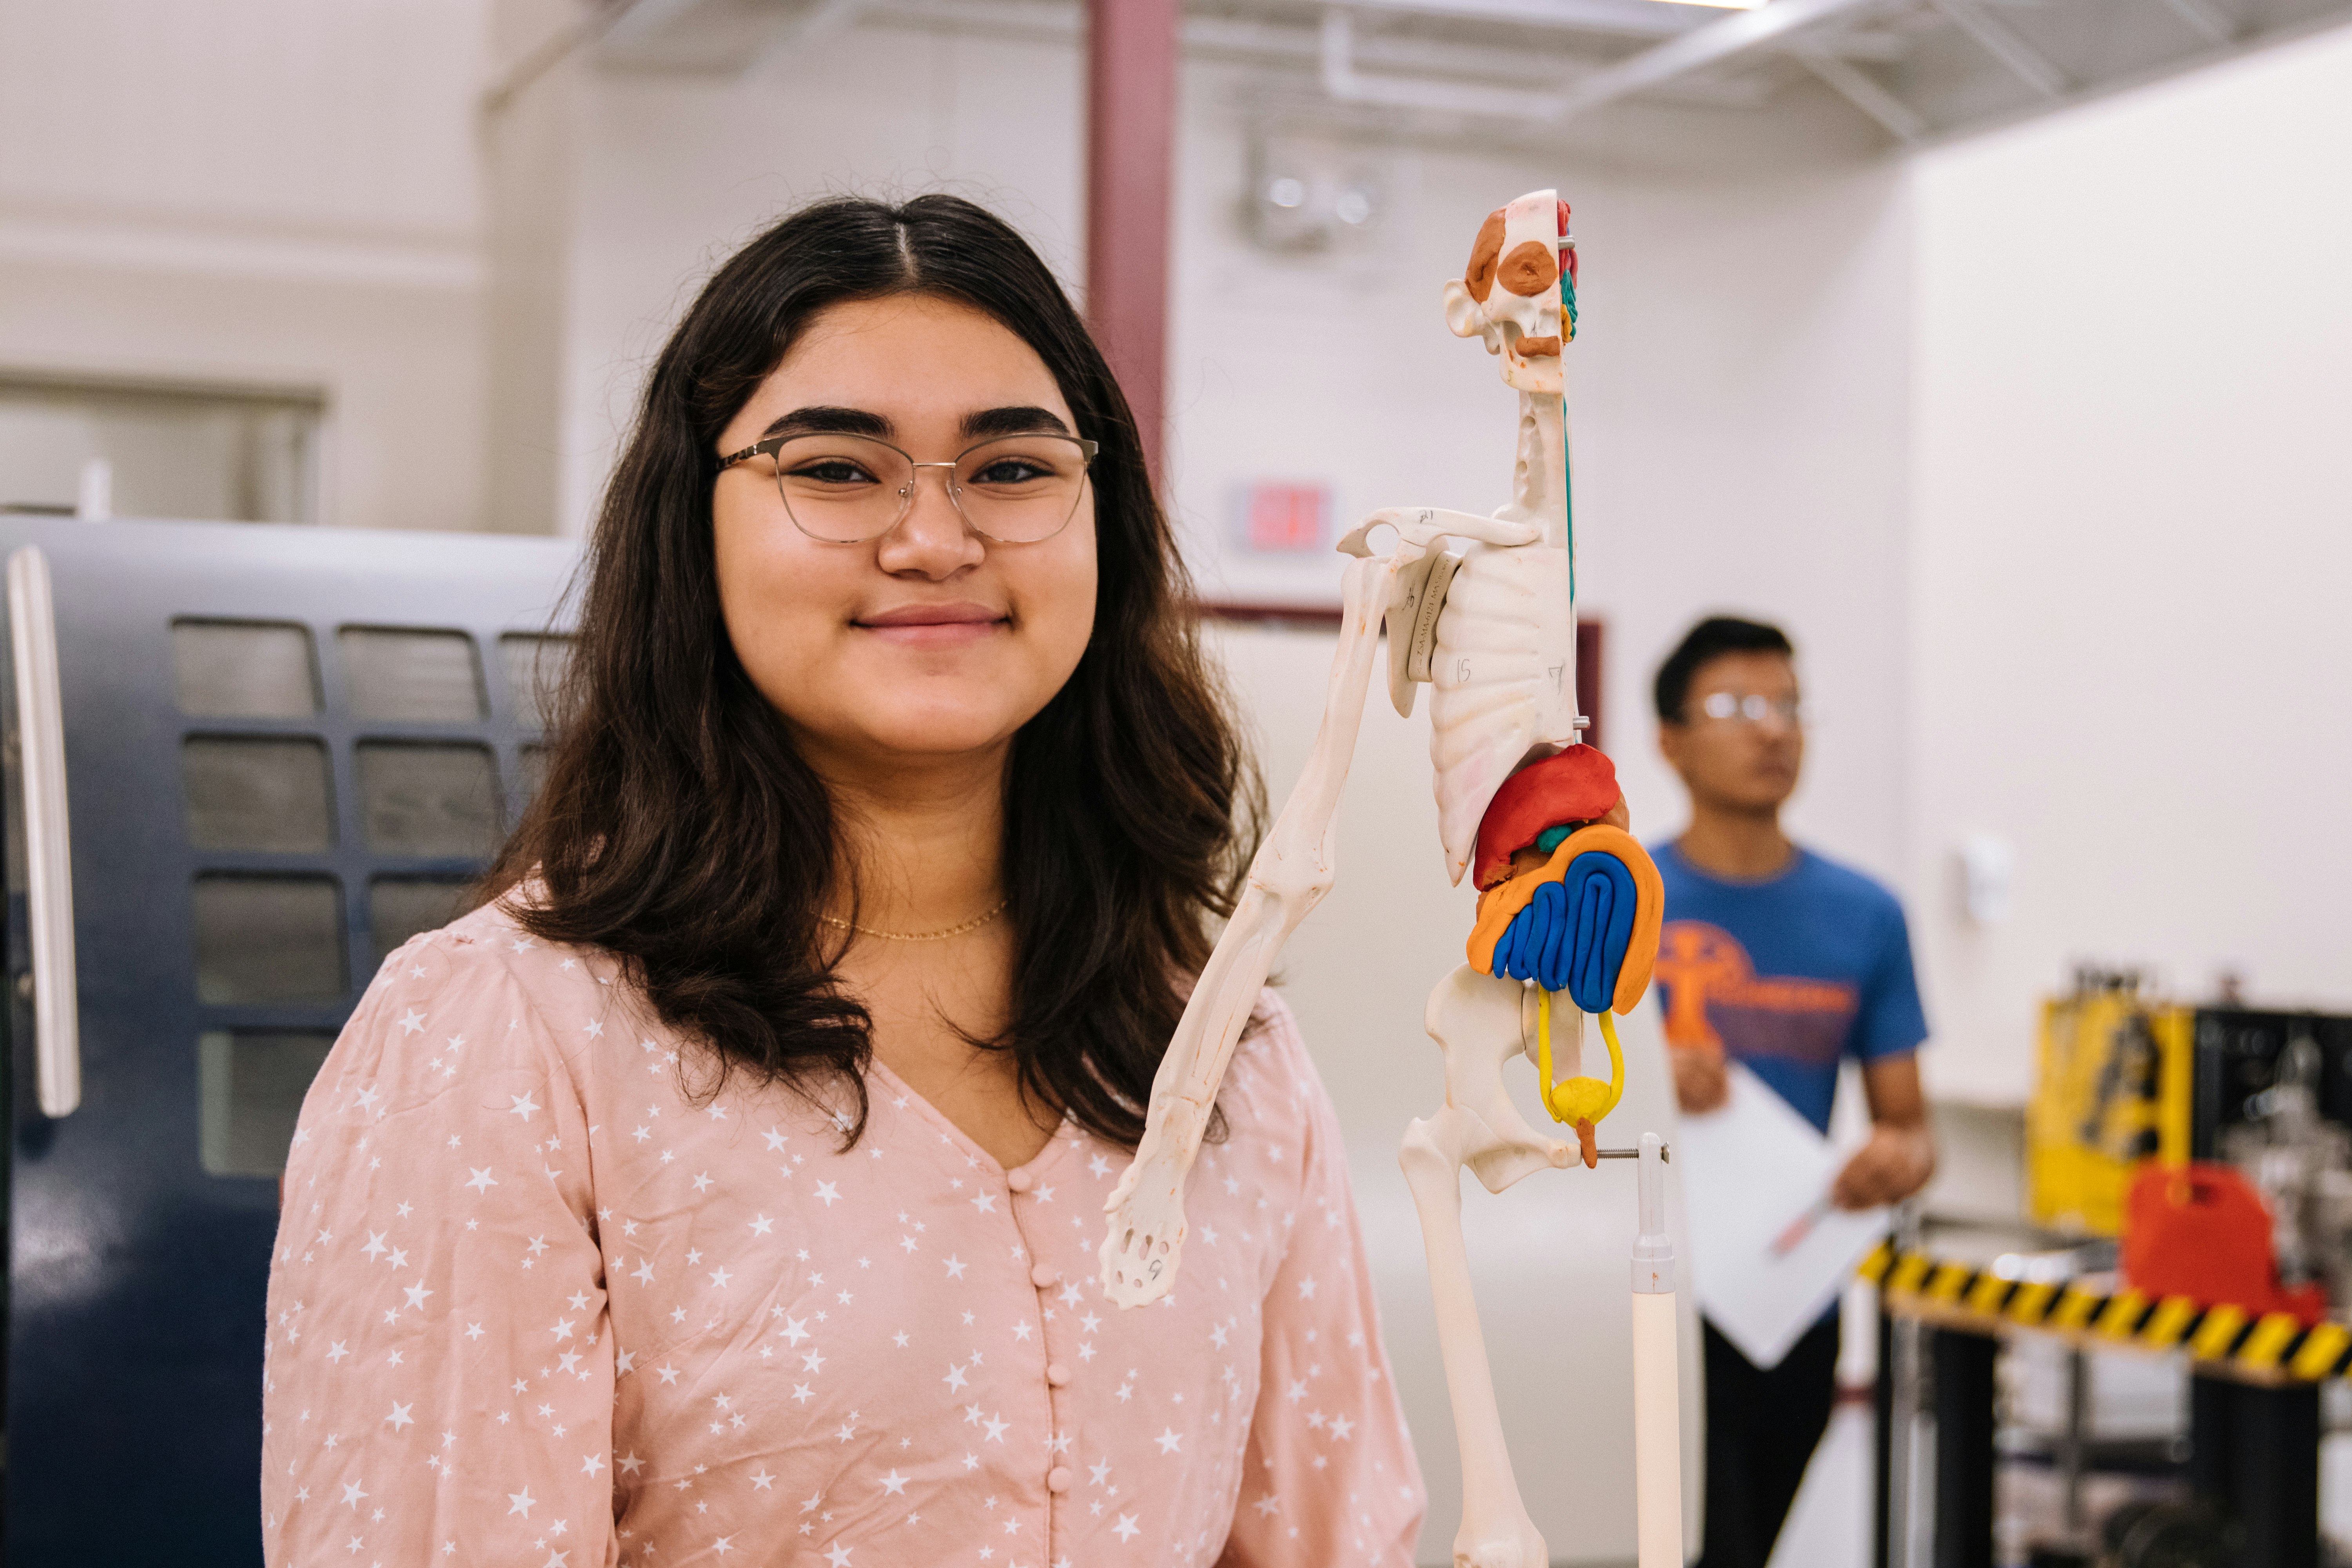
1279, 518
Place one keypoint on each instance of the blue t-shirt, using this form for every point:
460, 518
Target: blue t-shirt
1790, 975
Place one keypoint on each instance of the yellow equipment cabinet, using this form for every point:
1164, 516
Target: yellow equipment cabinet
2113, 1091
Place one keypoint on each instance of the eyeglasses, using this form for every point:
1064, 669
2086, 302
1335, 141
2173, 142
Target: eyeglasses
1755, 708
847, 490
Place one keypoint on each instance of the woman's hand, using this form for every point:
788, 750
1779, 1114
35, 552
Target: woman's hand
1701, 1082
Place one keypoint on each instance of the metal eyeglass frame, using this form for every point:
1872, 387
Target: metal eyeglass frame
770, 445
1754, 708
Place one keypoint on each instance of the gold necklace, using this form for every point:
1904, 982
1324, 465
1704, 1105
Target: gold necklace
973, 924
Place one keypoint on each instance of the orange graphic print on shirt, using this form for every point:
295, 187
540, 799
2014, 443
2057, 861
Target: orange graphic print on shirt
1715, 997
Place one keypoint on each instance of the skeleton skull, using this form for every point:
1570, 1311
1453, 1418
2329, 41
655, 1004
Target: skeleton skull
1509, 294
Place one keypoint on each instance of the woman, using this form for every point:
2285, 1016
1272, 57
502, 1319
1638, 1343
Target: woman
731, 1181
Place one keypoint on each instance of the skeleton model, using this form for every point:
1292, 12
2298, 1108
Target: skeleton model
1570, 905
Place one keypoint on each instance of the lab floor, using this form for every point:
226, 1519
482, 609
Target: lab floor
1830, 1525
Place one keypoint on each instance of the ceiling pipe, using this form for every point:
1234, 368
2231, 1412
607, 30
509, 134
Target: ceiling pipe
1131, 48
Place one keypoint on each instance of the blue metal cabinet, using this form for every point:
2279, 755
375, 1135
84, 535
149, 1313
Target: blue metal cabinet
285, 750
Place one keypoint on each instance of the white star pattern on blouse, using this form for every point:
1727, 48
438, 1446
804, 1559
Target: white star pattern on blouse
767, 1291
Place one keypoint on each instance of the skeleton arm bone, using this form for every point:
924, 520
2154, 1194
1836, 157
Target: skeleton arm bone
1290, 875
1292, 872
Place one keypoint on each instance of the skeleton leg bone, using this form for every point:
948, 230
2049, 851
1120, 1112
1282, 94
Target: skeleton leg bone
1476, 1022
1495, 1530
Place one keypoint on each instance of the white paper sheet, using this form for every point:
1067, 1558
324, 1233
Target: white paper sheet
1748, 1171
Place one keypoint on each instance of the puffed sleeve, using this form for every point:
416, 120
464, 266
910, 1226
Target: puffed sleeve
439, 1374
1330, 1475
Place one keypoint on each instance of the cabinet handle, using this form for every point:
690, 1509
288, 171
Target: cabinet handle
48, 847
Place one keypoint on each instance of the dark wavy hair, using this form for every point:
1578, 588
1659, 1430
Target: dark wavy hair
680, 829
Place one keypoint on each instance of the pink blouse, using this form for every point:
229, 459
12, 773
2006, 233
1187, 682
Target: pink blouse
533, 1303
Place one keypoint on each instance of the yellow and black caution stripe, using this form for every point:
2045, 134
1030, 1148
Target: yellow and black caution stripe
2274, 1344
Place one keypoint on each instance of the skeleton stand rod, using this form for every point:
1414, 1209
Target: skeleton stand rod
1657, 1398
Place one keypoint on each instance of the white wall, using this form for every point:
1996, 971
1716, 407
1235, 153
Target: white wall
2132, 542
270, 191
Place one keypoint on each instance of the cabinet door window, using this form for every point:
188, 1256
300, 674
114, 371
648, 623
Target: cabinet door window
265, 796
429, 800
269, 939
411, 676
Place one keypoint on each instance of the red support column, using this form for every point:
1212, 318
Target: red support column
1131, 178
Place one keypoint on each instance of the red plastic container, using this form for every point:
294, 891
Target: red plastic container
2205, 1232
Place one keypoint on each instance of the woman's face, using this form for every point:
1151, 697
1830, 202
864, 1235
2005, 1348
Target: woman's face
929, 641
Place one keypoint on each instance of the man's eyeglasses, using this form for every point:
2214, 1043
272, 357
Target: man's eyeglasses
1724, 706
845, 490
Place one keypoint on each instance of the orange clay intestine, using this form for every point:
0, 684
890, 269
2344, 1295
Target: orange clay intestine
1498, 905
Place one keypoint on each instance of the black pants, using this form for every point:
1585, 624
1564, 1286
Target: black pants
1761, 1428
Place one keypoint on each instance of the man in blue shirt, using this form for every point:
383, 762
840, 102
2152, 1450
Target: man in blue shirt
1788, 964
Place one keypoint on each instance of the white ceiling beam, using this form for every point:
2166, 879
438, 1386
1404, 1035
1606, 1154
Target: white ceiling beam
1342, 81
646, 18
2002, 42
1660, 66
1264, 42
1630, 18
819, 22
590, 26
1038, 19
1862, 89
1737, 34
2206, 20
